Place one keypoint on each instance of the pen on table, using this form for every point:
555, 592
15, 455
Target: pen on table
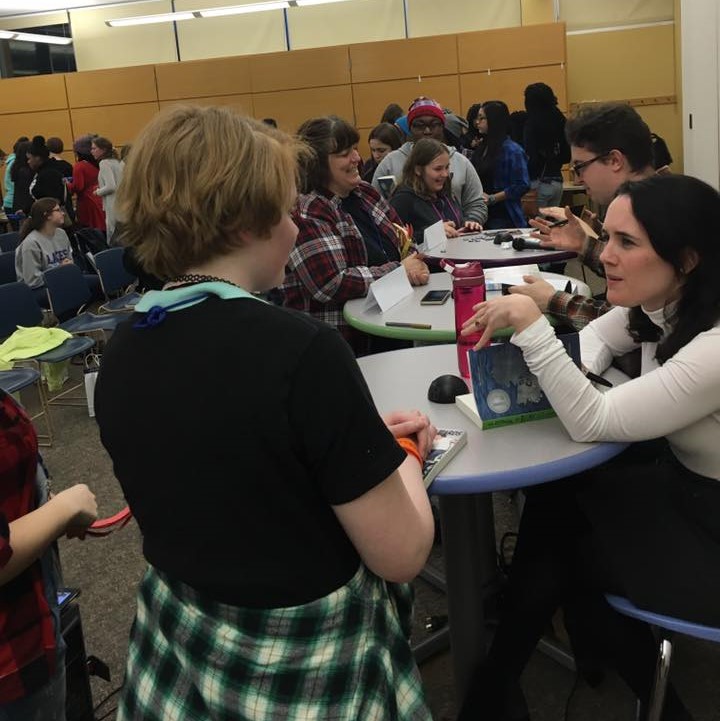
397, 324
598, 379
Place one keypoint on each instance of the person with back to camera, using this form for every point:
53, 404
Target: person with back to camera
8, 184
55, 147
425, 192
644, 526
32, 651
347, 232
427, 120
22, 175
610, 144
305, 515
501, 165
383, 139
110, 171
545, 144
84, 182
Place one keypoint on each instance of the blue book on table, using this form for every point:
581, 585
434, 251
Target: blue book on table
504, 389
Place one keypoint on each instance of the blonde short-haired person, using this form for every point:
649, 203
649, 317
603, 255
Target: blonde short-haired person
279, 524
646, 524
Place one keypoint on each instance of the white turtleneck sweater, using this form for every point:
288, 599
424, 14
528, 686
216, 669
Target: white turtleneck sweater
679, 400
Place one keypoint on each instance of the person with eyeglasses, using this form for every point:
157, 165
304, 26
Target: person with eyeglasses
501, 165
426, 119
44, 245
610, 144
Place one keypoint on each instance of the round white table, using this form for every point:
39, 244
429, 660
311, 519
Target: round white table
367, 317
513, 456
480, 246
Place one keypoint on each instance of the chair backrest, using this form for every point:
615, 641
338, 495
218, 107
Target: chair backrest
9, 241
84, 241
113, 276
17, 307
67, 289
7, 267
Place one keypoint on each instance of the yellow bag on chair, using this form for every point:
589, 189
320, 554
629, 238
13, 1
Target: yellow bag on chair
55, 374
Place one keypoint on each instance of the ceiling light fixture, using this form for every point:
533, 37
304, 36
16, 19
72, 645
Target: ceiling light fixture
215, 12
34, 38
242, 9
304, 3
149, 19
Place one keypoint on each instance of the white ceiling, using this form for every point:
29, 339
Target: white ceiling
18, 7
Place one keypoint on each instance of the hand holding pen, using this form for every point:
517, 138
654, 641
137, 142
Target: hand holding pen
562, 232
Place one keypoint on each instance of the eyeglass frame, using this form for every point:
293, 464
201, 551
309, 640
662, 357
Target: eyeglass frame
579, 168
433, 124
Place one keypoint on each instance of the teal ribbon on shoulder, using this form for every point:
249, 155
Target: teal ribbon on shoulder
157, 303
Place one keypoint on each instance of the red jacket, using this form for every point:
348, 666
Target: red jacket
27, 630
89, 210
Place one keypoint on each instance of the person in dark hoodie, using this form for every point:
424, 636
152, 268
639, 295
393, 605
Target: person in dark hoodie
545, 144
425, 193
21, 175
48, 180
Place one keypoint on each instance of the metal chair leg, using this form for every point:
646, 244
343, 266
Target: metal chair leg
662, 672
44, 439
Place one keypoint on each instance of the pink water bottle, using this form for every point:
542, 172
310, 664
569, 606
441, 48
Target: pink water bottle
468, 289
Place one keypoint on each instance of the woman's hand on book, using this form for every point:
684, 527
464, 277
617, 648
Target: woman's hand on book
509, 311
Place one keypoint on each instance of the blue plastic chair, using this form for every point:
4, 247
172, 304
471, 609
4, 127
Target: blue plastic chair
666, 626
69, 293
115, 281
19, 308
7, 267
17, 379
9, 241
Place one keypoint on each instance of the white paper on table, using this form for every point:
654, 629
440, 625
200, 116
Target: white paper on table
517, 279
390, 289
498, 275
511, 275
434, 236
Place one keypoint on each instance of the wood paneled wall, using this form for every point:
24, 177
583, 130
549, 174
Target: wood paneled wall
353, 81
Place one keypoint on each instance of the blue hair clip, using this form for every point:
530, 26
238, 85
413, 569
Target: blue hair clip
157, 314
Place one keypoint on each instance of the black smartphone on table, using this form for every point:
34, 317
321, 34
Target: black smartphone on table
435, 297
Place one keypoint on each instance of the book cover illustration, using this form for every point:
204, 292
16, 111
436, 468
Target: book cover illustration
504, 389
446, 445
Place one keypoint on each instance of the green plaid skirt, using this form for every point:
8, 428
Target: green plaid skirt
344, 657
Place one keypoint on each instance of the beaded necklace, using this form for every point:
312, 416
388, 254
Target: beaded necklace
192, 278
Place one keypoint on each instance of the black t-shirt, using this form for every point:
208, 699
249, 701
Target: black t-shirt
233, 427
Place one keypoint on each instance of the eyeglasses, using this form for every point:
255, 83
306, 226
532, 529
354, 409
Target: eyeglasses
578, 167
422, 126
